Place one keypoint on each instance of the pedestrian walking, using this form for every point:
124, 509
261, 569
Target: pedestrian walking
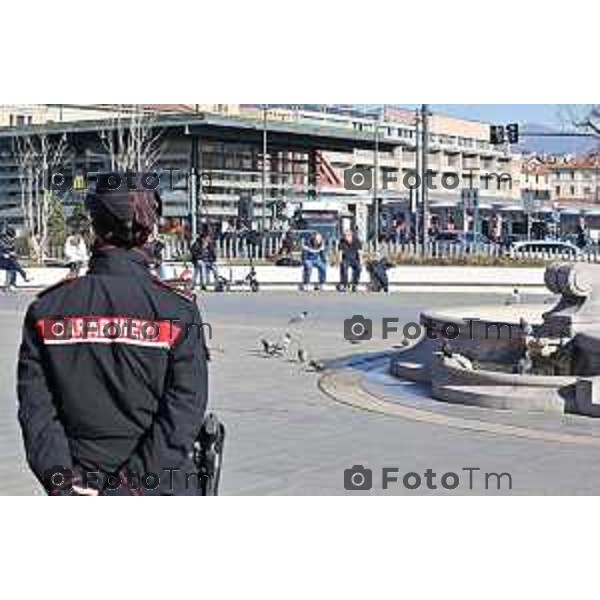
8, 259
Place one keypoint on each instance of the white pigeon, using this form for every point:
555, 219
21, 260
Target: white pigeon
525, 365
286, 341
515, 298
526, 328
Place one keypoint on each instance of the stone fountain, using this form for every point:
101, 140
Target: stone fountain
517, 357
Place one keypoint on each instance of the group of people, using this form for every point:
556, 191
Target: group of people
351, 263
75, 252
204, 258
203, 252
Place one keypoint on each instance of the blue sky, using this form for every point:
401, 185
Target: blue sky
544, 114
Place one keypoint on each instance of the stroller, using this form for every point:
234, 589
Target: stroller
377, 270
225, 284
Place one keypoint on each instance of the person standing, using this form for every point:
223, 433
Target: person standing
350, 259
582, 234
155, 249
204, 257
76, 254
112, 377
313, 257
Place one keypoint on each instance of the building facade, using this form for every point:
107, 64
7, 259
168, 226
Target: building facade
301, 168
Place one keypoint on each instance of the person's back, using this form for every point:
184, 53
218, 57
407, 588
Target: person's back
7, 245
205, 251
112, 377
350, 248
196, 250
581, 241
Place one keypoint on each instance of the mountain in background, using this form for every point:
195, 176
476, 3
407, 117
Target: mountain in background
554, 145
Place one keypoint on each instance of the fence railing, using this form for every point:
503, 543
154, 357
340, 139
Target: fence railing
232, 248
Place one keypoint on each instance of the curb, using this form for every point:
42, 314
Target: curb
346, 387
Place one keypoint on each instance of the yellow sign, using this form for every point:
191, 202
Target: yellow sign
79, 183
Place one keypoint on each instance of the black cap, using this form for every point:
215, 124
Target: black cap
123, 212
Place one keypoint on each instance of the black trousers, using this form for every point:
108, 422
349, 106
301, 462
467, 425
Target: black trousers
354, 266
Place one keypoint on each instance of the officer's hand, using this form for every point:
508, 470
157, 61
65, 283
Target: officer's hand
77, 491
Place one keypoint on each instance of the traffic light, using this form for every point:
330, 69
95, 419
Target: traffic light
497, 135
280, 207
500, 134
512, 132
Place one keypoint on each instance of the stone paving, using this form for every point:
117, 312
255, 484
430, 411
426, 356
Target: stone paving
286, 437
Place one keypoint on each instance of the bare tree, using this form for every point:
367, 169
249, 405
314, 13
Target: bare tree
583, 118
131, 139
38, 156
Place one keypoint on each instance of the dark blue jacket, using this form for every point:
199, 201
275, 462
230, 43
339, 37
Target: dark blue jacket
112, 379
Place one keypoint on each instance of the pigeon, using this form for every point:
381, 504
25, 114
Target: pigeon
515, 298
300, 318
302, 356
526, 328
271, 349
447, 350
316, 366
525, 365
286, 341
266, 346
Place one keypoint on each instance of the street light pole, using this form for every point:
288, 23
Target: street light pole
264, 168
529, 199
376, 186
194, 188
417, 190
425, 167
597, 162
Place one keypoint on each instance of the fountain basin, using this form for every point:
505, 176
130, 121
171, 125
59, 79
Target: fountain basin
487, 336
517, 357
450, 382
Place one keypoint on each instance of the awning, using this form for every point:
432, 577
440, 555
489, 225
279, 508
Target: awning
512, 208
443, 204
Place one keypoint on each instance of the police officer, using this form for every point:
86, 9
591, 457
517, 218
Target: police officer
112, 375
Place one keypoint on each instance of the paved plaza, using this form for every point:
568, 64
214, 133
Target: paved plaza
288, 437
